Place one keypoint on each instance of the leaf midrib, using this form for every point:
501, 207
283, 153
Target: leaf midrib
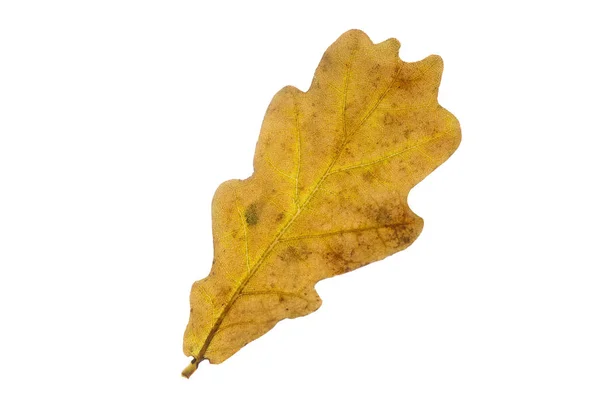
236, 295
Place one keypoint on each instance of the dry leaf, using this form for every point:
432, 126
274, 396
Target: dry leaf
332, 171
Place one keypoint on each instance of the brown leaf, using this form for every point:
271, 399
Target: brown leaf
332, 170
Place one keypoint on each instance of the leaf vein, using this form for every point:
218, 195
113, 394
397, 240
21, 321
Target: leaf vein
340, 232
273, 292
386, 157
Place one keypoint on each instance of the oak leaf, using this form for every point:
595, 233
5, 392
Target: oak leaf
332, 171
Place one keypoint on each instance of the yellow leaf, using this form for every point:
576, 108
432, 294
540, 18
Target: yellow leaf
332, 171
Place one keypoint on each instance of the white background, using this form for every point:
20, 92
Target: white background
118, 119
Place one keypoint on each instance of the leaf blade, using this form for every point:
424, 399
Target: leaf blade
332, 171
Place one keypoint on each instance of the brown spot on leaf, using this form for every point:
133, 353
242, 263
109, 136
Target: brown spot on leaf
384, 216
325, 63
294, 254
251, 214
388, 119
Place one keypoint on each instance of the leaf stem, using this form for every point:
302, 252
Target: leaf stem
191, 368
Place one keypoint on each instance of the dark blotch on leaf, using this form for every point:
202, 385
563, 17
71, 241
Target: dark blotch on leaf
251, 215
